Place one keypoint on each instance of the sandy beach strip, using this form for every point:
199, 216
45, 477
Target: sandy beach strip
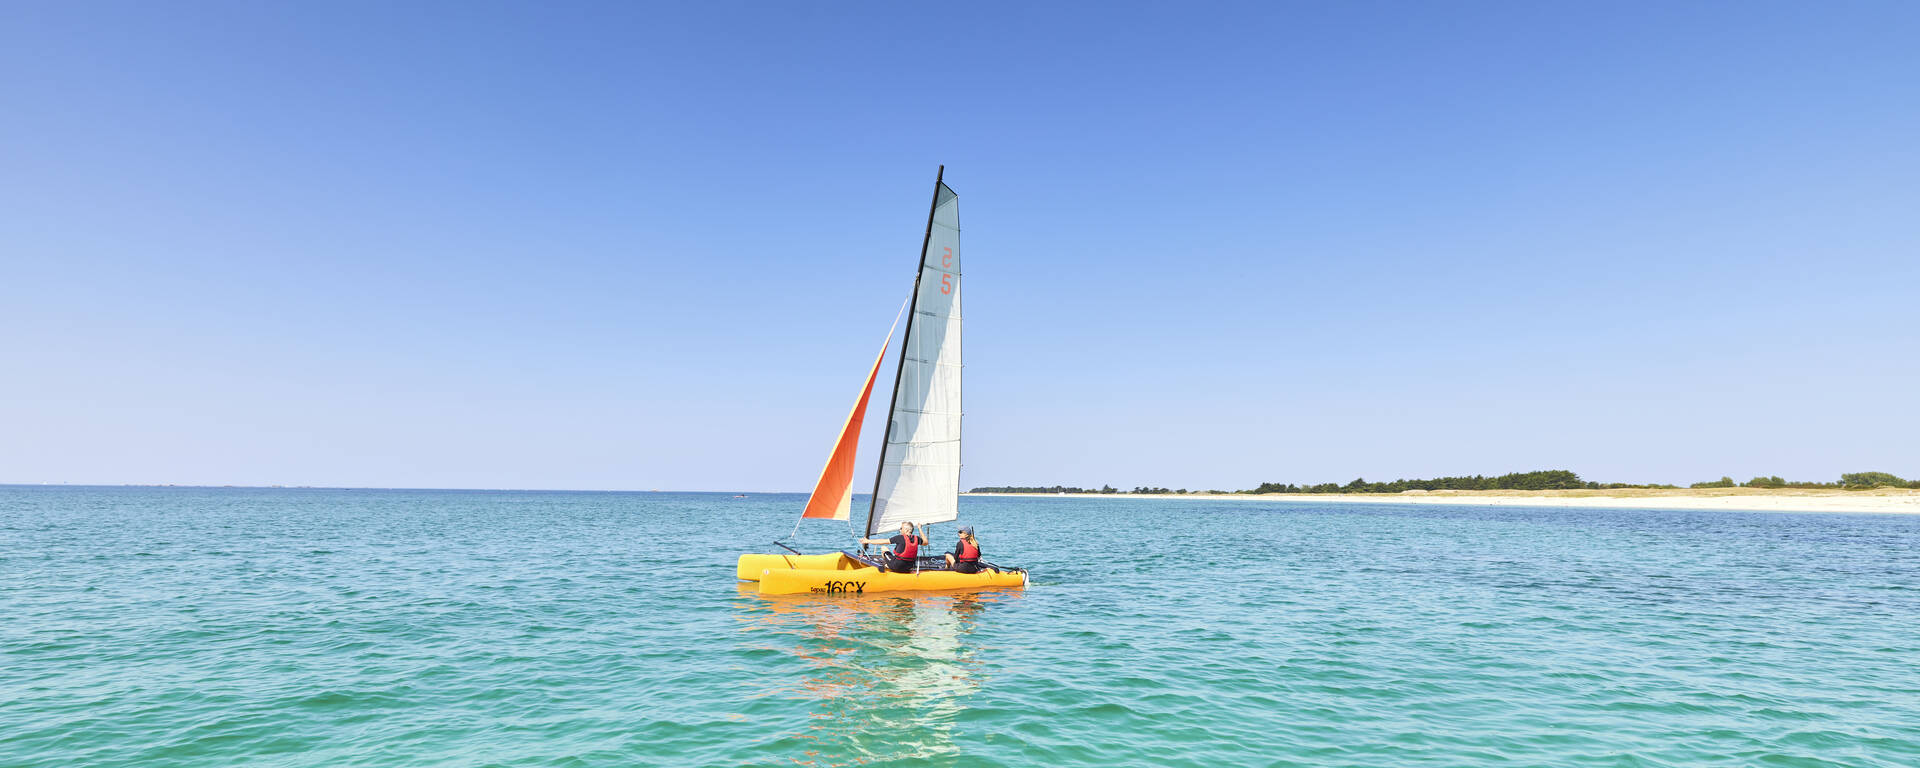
1884, 500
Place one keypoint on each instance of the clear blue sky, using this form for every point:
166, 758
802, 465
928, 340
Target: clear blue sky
636, 246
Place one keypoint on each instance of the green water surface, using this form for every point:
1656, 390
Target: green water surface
161, 627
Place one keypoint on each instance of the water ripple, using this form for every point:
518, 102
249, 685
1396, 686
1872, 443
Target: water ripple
197, 627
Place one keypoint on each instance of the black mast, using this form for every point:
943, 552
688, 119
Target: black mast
919, 268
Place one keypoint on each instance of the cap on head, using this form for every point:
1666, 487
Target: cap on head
967, 529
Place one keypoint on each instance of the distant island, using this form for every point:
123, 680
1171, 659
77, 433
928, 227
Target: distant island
1541, 480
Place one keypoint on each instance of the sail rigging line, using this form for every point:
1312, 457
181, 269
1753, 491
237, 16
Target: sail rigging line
919, 270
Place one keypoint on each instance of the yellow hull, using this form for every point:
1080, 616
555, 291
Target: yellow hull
838, 574
835, 573
751, 566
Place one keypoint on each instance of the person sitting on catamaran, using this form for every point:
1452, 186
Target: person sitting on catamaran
965, 557
906, 548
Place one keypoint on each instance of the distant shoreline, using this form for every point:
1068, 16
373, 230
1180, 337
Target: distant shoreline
1879, 500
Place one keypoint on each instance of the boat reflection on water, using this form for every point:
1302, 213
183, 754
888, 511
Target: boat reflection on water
887, 674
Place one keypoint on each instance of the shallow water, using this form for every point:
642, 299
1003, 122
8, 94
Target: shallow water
213, 627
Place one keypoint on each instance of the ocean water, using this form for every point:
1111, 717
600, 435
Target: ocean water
233, 627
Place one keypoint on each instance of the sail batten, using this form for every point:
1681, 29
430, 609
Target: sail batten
919, 476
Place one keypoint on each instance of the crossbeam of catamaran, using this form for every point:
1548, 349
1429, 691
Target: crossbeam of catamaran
917, 479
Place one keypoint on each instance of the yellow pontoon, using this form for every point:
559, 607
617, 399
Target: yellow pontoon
849, 574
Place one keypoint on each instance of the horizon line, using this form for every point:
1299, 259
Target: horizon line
377, 488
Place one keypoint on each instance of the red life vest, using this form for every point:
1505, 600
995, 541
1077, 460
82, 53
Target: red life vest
910, 550
969, 551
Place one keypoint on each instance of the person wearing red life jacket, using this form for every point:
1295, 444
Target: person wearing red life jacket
906, 547
965, 557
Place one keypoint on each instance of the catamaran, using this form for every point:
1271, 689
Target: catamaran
918, 477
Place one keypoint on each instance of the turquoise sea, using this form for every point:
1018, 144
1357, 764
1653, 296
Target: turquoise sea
160, 627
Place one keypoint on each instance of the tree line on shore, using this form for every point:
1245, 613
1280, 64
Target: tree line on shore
1540, 480
1848, 481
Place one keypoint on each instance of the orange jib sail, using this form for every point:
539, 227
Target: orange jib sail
833, 495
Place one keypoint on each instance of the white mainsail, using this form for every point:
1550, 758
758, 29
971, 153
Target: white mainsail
919, 477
